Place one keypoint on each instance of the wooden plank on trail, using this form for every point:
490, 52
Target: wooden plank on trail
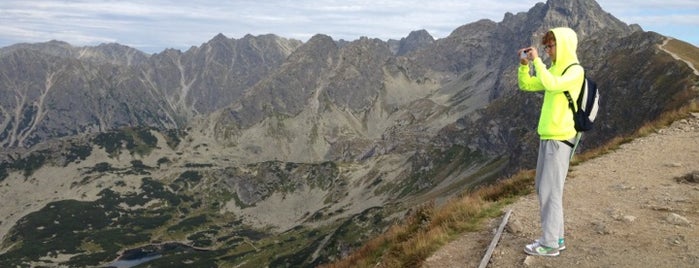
489, 252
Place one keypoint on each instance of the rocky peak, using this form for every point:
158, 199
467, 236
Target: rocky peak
113, 53
464, 47
359, 76
584, 16
109, 53
415, 40
232, 66
53, 47
319, 45
286, 90
220, 37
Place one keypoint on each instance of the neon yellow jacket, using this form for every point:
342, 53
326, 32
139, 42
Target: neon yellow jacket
556, 119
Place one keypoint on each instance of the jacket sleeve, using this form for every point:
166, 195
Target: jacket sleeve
556, 84
526, 81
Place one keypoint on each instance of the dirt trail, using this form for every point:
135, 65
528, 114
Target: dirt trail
662, 47
623, 209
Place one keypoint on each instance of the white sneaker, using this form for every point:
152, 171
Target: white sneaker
537, 249
561, 243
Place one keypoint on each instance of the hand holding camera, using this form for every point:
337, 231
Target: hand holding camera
523, 54
527, 54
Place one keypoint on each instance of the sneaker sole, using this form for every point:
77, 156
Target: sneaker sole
533, 253
560, 248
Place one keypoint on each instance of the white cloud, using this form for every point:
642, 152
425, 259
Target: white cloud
159, 24
664, 20
656, 5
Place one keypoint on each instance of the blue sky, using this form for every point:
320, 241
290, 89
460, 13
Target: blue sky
154, 25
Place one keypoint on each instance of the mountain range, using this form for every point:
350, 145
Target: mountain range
268, 151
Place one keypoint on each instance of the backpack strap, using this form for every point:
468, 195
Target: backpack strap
571, 65
567, 93
570, 100
571, 104
568, 143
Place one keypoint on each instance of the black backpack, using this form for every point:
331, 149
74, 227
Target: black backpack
587, 102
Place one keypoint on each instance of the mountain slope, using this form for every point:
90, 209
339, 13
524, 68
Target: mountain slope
634, 207
53, 90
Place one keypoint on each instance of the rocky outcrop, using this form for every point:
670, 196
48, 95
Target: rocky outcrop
51, 90
416, 40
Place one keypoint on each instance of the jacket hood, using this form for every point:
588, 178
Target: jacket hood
566, 46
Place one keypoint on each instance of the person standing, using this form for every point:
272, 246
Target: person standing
556, 129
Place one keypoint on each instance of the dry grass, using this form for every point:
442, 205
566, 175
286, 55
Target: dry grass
427, 228
684, 50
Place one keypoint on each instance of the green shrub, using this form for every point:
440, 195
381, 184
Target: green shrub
163, 160
172, 137
31, 163
112, 141
189, 176
189, 224
76, 152
4, 171
101, 167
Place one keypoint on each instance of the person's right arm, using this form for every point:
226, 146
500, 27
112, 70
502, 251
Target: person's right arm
526, 81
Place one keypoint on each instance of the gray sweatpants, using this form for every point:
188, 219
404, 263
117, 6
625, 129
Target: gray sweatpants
551, 170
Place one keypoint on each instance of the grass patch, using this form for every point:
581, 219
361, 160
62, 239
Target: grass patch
136, 140
427, 228
684, 50
77, 152
189, 224
31, 163
173, 137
